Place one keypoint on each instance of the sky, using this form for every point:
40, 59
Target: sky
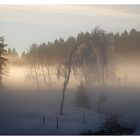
22, 25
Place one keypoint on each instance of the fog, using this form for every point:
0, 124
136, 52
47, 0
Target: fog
25, 105
129, 71
19, 77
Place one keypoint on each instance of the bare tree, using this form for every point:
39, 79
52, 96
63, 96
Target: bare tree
67, 77
36, 73
68, 71
46, 74
34, 58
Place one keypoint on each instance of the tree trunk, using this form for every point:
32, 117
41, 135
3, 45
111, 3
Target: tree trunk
63, 98
44, 77
66, 81
36, 75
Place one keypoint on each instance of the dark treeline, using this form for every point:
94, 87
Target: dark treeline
126, 44
52, 52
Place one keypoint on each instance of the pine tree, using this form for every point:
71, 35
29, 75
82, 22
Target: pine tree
2, 58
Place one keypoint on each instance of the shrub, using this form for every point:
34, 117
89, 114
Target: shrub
82, 98
112, 126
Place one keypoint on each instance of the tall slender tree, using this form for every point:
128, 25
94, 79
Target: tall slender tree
68, 67
2, 58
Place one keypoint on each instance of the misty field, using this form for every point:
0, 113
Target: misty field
22, 112
23, 106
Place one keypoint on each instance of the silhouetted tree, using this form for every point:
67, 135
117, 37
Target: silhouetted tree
34, 58
2, 58
67, 77
95, 59
67, 71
